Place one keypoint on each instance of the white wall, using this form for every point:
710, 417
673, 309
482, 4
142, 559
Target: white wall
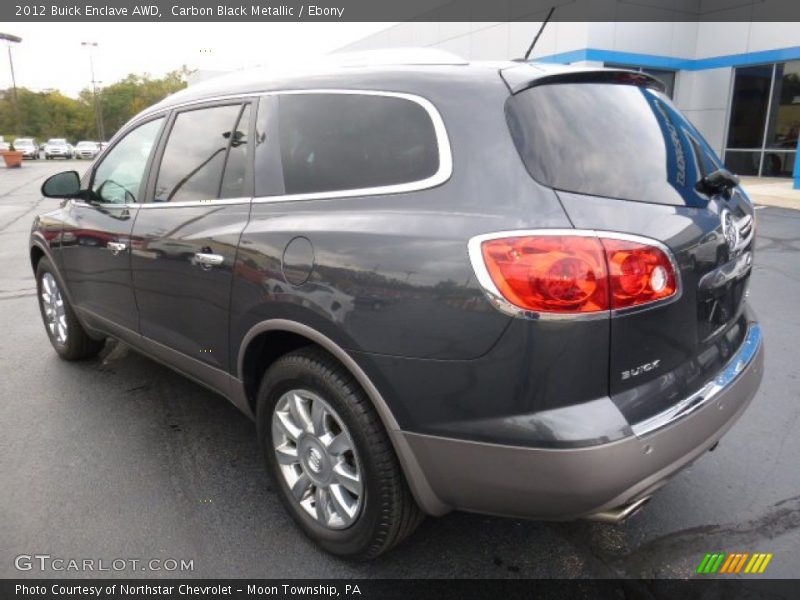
663, 39
703, 97
479, 41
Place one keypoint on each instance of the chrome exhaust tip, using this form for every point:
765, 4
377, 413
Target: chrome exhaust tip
619, 514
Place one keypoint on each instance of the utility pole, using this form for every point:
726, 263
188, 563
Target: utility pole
98, 114
12, 39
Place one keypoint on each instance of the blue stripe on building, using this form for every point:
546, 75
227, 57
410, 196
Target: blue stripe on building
655, 61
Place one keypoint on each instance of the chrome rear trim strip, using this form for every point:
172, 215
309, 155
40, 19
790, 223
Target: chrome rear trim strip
743, 357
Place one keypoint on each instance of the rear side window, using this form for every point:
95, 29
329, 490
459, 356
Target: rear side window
194, 157
335, 142
618, 141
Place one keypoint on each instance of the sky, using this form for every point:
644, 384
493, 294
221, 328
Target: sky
50, 55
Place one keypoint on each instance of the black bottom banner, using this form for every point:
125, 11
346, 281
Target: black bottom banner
439, 589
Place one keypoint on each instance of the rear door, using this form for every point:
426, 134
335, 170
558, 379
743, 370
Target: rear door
622, 158
187, 234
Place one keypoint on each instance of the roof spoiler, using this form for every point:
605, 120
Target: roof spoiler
525, 76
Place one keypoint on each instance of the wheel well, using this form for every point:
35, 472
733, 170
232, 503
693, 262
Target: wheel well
36, 255
261, 352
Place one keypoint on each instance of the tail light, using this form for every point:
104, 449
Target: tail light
573, 273
638, 273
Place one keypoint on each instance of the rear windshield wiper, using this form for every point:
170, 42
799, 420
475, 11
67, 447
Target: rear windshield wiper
719, 181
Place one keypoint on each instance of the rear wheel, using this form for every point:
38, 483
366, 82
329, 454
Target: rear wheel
330, 455
66, 334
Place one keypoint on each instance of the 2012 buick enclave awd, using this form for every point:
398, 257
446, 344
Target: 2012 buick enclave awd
503, 288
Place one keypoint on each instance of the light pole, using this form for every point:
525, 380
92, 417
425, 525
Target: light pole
98, 115
12, 39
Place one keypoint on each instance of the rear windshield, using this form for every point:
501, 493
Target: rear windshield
618, 141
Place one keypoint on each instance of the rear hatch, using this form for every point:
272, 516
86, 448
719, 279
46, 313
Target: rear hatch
622, 158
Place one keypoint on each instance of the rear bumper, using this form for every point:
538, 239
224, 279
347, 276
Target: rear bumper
547, 483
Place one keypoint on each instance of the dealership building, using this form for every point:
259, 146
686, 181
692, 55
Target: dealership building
738, 82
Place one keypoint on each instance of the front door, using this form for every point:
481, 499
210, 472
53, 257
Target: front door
97, 230
188, 232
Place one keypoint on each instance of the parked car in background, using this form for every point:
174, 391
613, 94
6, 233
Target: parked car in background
87, 150
553, 261
57, 148
4, 145
71, 150
28, 146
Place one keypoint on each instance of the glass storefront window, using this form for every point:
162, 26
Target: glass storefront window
778, 164
666, 77
743, 162
765, 120
784, 118
749, 107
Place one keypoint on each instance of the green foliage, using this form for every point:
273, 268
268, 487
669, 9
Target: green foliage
44, 115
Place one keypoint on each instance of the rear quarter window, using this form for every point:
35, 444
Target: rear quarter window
337, 142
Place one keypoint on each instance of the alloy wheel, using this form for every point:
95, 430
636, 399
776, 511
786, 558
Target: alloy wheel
317, 458
55, 315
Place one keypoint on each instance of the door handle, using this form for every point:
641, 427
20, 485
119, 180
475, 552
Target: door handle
116, 247
206, 260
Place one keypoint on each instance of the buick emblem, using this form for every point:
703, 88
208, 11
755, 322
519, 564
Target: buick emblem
729, 229
315, 460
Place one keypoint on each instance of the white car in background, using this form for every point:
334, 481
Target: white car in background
87, 149
57, 148
28, 146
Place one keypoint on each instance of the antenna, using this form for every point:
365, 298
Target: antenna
541, 29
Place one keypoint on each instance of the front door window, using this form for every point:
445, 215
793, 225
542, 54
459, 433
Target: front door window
118, 179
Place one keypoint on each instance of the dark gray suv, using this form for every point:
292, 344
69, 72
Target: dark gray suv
503, 288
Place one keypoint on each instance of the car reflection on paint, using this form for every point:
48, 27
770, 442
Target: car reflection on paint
316, 296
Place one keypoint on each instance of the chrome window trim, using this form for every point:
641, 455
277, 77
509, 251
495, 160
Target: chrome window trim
215, 202
84, 203
709, 392
150, 205
443, 173
504, 306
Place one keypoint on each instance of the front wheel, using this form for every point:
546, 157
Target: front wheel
66, 334
331, 457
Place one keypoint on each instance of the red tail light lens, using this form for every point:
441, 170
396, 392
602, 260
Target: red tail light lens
550, 273
639, 273
575, 274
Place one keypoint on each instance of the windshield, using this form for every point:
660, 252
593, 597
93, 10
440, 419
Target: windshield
86, 144
57, 142
23, 142
618, 141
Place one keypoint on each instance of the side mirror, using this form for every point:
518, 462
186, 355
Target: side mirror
62, 185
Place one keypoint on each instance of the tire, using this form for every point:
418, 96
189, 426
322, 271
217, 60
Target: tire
75, 343
386, 512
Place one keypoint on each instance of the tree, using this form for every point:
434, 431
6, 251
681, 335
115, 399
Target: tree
51, 114
124, 99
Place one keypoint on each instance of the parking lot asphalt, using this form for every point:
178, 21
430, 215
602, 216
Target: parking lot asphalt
119, 457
